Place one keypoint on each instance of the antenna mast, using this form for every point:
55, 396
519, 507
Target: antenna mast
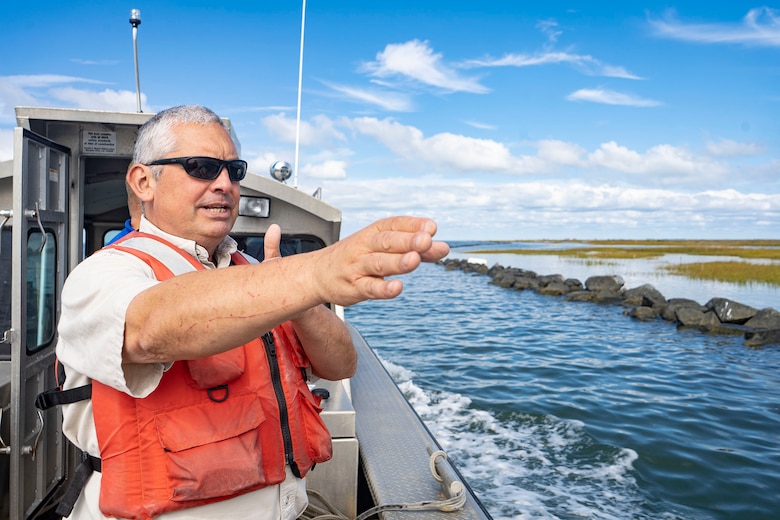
135, 21
298, 115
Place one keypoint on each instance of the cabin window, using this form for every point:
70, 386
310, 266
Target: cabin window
291, 245
40, 291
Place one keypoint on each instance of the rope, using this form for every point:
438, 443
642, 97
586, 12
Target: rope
329, 512
432, 464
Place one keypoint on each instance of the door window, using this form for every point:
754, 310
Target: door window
40, 292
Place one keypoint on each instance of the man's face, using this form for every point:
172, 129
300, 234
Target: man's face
196, 209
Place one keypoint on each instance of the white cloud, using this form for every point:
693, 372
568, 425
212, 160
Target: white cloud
33, 90
662, 164
416, 61
667, 163
550, 209
392, 101
559, 152
767, 172
326, 170
44, 80
114, 100
729, 148
614, 71
260, 164
319, 130
587, 64
82, 61
611, 97
481, 126
759, 27
550, 29
440, 150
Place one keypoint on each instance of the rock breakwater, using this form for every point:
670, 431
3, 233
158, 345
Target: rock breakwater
759, 327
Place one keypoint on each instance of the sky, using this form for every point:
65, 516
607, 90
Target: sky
501, 120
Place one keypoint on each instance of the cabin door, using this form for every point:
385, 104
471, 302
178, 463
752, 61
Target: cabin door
40, 204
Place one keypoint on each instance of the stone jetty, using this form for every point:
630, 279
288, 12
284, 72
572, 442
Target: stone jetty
717, 316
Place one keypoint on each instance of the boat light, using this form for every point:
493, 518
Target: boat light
258, 207
281, 171
135, 17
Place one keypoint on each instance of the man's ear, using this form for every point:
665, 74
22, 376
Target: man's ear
141, 181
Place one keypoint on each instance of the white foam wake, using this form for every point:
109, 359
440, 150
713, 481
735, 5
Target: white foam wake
526, 466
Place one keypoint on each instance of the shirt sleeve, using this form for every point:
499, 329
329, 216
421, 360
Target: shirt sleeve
91, 329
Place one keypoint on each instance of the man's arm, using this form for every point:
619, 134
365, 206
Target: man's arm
206, 312
327, 343
323, 336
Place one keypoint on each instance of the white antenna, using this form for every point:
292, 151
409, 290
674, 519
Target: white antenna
135, 21
298, 115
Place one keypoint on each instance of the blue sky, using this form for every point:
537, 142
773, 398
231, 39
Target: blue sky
500, 119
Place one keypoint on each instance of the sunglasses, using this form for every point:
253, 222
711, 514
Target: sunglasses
207, 168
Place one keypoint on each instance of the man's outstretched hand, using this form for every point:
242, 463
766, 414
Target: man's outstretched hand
354, 269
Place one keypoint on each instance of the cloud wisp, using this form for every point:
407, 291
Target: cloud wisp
611, 97
549, 56
730, 148
585, 63
415, 63
759, 27
58, 90
385, 100
99, 63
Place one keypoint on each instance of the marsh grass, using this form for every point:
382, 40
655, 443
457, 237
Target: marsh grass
726, 271
733, 272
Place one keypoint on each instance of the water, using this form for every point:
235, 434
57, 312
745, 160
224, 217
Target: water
568, 410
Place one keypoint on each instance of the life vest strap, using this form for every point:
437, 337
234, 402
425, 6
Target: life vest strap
56, 396
89, 464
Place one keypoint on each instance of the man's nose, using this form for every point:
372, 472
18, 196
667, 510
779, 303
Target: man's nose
222, 181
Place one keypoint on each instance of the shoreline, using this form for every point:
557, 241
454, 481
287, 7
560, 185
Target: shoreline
728, 261
759, 327
635, 271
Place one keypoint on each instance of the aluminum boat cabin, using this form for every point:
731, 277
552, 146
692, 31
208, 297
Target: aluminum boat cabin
62, 197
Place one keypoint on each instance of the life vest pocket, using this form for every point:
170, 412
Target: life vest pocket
217, 370
314, 434
212, 449
287, 340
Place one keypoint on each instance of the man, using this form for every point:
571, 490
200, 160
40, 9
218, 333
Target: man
146, 341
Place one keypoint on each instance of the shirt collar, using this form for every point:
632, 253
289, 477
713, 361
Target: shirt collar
227, 247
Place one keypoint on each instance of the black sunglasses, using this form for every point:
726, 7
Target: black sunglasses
207, 168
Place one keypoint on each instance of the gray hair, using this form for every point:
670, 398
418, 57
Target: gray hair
156, 137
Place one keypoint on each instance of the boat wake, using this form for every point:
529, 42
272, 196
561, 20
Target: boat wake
525, 466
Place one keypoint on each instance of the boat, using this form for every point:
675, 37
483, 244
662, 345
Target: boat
62, 197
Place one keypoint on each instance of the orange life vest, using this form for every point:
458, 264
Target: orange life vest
215, 427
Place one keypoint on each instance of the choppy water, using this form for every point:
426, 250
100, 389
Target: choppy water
572, 410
